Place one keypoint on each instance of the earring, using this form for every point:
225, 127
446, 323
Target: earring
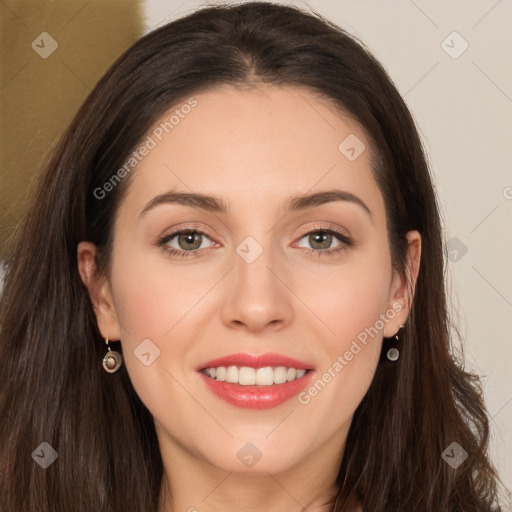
112, 360
392, 353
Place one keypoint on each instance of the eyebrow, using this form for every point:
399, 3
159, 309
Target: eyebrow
217, 205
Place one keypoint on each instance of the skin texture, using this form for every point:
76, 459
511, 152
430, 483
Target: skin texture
254, 149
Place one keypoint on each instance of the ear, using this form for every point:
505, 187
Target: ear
401, 292
99, 292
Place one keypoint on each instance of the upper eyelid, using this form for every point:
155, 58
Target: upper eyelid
340, 231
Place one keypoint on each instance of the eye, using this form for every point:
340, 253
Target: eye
189, 241
321, 239
183, 242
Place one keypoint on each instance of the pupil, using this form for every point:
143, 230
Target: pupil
319, 235
188, 238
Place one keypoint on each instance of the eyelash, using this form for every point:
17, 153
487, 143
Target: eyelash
346, 242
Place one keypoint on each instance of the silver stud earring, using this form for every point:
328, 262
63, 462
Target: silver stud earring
393, 353
112, 360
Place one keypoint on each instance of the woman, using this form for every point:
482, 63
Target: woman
296, 355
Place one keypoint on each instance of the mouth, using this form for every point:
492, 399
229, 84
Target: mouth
256, 381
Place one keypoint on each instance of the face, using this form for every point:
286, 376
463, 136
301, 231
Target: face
309, 280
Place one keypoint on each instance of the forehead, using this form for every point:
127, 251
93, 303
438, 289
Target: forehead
254, 146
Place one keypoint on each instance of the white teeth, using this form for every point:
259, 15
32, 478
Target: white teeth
265, 376
211, 372
291, 374
280, 375
247, 376
232, 374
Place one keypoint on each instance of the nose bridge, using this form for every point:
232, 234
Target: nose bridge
257, 295
253, 260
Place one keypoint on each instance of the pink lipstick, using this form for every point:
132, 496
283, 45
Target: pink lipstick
256, 381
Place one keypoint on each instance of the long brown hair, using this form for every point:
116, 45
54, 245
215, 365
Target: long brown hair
53, 388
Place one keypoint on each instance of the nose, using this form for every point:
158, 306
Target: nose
258, 295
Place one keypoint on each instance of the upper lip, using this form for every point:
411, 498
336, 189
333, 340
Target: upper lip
256, 361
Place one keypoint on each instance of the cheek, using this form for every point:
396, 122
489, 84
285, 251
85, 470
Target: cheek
353, 310
153, 307
149, 302
150, 299
350, 299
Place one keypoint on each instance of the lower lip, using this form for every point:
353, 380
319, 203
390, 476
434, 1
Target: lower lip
257, 397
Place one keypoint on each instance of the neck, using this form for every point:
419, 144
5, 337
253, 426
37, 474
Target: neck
193, 484
276, 499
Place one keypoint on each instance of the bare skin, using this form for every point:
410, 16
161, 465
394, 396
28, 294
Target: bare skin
254, 149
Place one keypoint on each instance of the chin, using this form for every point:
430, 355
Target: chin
255, 455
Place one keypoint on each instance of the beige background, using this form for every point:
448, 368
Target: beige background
463, 107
